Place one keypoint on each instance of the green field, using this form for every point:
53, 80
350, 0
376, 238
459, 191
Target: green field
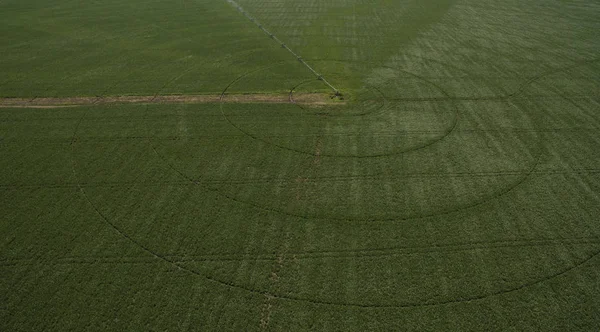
455, 186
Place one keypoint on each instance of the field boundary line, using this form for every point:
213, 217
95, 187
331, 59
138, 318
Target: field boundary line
309, 99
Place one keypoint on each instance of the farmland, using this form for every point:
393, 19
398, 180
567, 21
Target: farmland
169, 165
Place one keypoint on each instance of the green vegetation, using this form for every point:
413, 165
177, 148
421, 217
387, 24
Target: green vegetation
455, 187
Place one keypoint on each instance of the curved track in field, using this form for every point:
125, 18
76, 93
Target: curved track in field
445, 133
180, 264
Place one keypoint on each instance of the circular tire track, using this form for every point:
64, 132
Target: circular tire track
258, 292
503, 190
445, 133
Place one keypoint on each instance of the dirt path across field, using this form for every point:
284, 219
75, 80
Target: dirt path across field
314, 99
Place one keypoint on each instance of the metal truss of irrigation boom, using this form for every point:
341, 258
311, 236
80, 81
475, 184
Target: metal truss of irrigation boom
253, 20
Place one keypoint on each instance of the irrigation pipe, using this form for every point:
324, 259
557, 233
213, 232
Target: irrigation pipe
277, 40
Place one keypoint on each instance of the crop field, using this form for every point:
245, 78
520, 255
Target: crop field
171, 165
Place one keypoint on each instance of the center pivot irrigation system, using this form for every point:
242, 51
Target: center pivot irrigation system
253, 20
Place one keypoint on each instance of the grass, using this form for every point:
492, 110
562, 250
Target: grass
455, 188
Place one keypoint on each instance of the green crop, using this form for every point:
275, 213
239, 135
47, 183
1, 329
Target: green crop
451, 185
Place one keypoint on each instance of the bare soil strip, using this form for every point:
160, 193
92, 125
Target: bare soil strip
310, 99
